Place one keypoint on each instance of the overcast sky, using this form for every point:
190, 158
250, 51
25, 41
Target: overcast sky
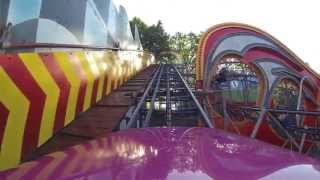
295, 23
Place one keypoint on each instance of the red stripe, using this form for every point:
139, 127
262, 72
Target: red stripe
83, 85
94, 92
105, 84
29, 87
64, 86
4, 113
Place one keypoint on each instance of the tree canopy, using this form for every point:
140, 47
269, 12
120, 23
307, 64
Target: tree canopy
153, 38
186, 46
178, 48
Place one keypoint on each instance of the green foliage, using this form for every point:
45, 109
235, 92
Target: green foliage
140, 24
186, 46
179, 48
157, 40
237, 95
153, 38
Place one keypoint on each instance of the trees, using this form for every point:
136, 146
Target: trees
143, 27
179, 48
186, 46
153, 38
157, 40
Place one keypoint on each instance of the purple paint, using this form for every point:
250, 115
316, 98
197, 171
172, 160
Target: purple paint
181, 153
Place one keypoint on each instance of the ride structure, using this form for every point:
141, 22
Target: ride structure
255, 86
59, 58
80, 99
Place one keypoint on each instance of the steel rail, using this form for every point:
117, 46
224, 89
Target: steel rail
166, 77
154, 96
168, 97
133, 119
300, 119
206, 119
309, 113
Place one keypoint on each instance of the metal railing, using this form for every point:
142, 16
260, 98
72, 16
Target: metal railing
297, 133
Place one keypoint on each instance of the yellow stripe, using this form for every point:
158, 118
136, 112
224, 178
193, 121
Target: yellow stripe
109, 85
115, 82
67, 67
41, 75
114, 73
102, 66
109, 60
85, 64
128, 72
121, 80
18, 105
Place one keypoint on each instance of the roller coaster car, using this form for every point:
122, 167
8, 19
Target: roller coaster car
170, 153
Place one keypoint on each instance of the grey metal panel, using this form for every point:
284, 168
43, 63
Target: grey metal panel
78, 22
237, 43
112, 21
103, 8
122, 19
123, 28
267, 67
4, 7
69, 13
51, 32
25, 32
95, 29
23, 10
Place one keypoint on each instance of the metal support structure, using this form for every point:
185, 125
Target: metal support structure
295, 132
166, 101
132, 119
302, 142
195, 100
299, 118
258, 123
282, 111
290, 137
154, 96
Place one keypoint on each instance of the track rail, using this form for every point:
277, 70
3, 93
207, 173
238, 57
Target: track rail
167, 101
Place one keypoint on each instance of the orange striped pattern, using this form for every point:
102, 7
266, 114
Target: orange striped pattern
43, 92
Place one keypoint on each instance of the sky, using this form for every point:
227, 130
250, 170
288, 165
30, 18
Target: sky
296, 23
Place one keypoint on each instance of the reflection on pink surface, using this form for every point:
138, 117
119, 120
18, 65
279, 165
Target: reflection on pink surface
294, 172
188, 175
171, 153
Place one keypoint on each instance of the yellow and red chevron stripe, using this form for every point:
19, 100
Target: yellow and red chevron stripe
43, 92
